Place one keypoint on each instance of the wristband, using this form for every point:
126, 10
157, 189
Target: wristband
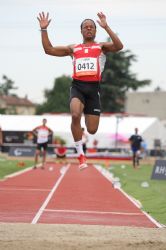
43, 29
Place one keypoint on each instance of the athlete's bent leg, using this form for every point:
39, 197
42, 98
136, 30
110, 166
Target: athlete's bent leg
76, 109
92, 123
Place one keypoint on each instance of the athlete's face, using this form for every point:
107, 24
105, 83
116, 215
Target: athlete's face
44, 122
88, 30
136, 130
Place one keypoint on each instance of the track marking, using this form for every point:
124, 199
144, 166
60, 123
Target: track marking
24, 189
17, 173
153, 220
39, 213
92, 212
107, 175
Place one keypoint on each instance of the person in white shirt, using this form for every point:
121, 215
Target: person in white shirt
42, 133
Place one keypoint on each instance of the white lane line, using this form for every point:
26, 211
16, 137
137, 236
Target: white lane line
107, 175
19, 172
41, 210
25, 189
92, 212
153, 220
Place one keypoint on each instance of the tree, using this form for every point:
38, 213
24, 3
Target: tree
57, 99
117, 79
6, 86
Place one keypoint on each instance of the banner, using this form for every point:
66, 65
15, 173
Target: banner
26, 137
21, 151
159, 170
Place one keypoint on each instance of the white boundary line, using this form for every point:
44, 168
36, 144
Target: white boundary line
91, 212
40, 211
24, 189
19, 172
153, 220
106, 174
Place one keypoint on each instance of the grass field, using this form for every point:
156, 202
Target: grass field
8, 167
152, 198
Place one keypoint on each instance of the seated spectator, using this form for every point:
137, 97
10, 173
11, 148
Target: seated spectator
60, 151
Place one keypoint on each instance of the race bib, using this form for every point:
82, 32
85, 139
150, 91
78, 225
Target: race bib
86, 66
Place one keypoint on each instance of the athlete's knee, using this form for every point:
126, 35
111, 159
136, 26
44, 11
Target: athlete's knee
92, 131
76, 117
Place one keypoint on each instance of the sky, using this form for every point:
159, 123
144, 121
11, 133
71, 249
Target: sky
140, 24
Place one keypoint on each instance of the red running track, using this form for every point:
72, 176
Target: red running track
64, 195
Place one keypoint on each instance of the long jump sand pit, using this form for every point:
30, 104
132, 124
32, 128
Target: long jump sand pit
79, 237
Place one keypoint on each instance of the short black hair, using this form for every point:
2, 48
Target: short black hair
87, 19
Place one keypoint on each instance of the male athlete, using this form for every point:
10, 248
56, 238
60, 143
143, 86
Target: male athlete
135, 141
88, 63
42, 133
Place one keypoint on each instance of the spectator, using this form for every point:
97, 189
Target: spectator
42, 133
60, 152
135, 142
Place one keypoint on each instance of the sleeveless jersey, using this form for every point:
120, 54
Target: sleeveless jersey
88, 62
42, 134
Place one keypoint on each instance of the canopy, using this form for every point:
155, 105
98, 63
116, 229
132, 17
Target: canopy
149, 127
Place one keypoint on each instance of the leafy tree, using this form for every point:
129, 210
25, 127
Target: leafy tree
57, 99
6, 86
2, 111
117, 79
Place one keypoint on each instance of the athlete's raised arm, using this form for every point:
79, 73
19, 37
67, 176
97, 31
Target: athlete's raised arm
115, 44
44, 22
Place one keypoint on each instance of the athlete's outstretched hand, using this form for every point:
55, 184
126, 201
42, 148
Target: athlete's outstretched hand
44, 20
102, 22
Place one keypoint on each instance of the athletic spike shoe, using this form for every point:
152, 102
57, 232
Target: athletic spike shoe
82, 160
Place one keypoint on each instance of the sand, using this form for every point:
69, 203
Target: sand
79, 237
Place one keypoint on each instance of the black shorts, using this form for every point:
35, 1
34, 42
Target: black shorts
89, 94
42, 146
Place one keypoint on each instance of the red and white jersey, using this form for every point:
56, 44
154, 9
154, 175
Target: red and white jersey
88, 62
42, 134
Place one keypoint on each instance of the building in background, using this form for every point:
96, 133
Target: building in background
16, 105
151, 104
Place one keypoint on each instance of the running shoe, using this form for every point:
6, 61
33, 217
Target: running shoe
82, 160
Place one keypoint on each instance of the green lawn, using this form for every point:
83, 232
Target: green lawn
152, 198
10, 166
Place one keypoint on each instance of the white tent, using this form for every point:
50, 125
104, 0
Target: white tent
149, 127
